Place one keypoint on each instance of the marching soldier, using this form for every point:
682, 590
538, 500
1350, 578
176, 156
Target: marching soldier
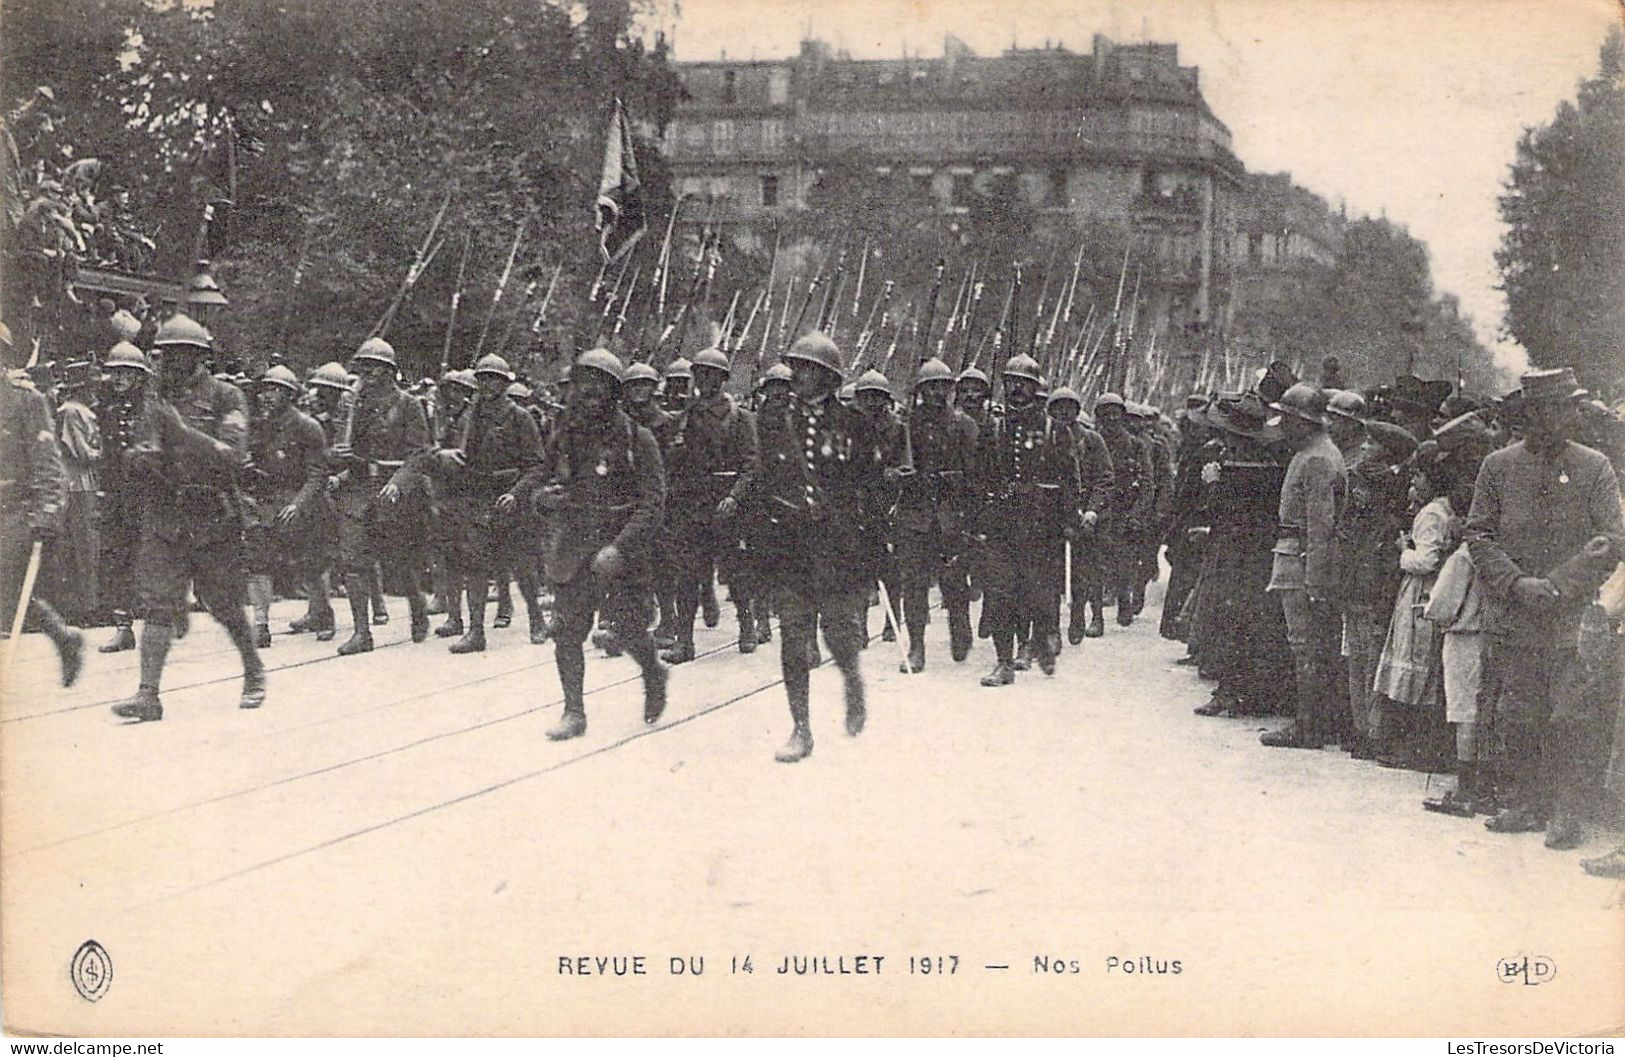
930, 523
1027, 477
33, 499
639, 403
602, 484
712, 450
1096, 479
380, 496
813, 478
1130, 513
872, 396
774, 398
972, 393
677, 383
193, 442
284, 489
496, 443
452, 396
122, 409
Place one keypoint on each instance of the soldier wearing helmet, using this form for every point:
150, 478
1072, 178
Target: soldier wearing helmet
121, 409
1096, 478
972, 391
712, 452
815, 471
491, 444
1130, 513
773, 398
290, 526
1028, 480
1145, 544
602, 488
677, 384
194, 443
381, 492
1301, 575
940, 451
872, 397
639, 401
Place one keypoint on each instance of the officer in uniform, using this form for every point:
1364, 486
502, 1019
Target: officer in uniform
639, 403
712, 449
1130, 513
816, 468
603, 487
496, 443
33, 500
872, 396
122, 407
382, 497
1027, 479
453, 394
1096, 478
284, 489
773, 399
930, 522
193, 443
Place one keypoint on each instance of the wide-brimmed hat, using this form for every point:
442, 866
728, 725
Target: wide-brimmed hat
1243, 414
1556, 383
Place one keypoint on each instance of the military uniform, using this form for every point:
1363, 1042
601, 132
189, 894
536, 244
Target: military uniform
1095, 482
930, 524
1027, 481
33, 502
77, 559
662, 425
1130, 513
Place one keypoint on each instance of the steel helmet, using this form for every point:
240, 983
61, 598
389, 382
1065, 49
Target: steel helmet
1110, 400
464, 378
1346, 403
517, 391
125, 354
124, 324
1022, 366
641, 372
974, 375
491, 363
933, 370
377, 350
846, 393
601, 360
816, 347
184, 331
776, 373
1064, 393
715, 359
872, 380
679, 368
1138, 410
280, 375
331, 375
1303, 401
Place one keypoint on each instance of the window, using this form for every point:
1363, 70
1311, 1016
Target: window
730, 86
778, 87
1255, 247
770, 190
772, 136
722, 137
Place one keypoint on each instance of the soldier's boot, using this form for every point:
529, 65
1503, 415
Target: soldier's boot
747, 627
322, 621
800, 745
1125, 609
764, 621
916, 652
709, 609
959, 633
360, 640
857, 714
253, 687
259, 597
1097, 616
375, 591
1004, 672
1045, 649
453, 627
1024, 657
144, 707
418, 607
572, 666
440, 580
123, 634
69, 643
504, 617
655, 677
536, 621
473, 641
1077, 623
681, 653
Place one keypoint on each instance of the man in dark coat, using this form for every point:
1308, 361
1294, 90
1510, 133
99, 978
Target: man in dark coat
639, 403
128, 376
1095, 478
1027, 484
931, 509
1544, 533
1131, 507
816, 468
33, 499
194, 443
602, 486
495, 443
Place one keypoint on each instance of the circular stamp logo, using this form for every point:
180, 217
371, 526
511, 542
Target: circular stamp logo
91, 971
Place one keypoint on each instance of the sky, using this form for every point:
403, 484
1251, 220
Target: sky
1406, 108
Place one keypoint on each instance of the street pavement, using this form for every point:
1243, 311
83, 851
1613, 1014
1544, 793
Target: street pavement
392, 847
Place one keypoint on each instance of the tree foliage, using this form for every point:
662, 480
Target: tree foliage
1562, 258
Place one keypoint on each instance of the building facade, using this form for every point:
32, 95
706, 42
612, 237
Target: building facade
1121, 134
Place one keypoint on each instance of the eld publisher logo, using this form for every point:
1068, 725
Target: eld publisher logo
1525, 970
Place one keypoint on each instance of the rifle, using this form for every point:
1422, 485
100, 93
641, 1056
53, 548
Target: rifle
801, 313
456, 300
825, 305
496, 295
420, 262
953, 315
970, 322
924, 348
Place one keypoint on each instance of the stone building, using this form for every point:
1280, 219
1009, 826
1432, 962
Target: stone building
1121, 134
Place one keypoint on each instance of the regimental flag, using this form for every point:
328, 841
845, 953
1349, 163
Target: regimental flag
622, 218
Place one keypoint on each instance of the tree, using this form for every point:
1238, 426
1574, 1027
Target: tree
1562, 258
